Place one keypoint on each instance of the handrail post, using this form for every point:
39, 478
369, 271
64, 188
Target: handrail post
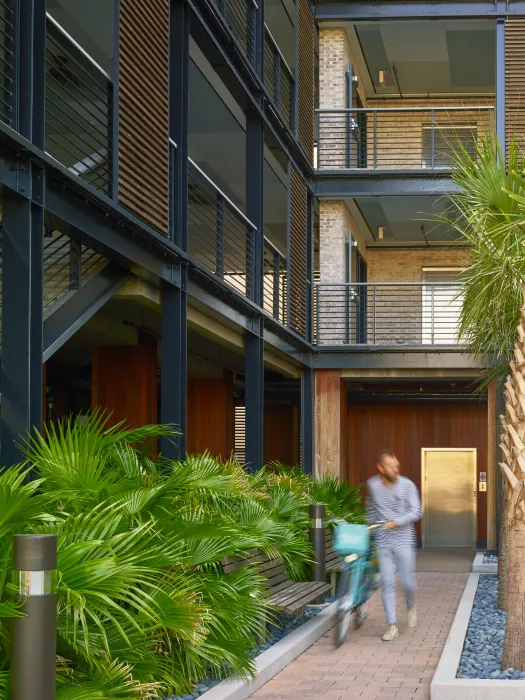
33, 637
318, 542
219, 249
433, 139
375, 139
374, 317
318, 130
277, 81
276, 283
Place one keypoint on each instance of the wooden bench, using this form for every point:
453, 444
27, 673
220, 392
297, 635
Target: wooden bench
334, 563
285, 594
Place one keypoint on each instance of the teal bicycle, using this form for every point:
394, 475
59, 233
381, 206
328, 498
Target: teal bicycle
359, 575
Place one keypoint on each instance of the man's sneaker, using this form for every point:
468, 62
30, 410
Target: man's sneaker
412, 617
392, 634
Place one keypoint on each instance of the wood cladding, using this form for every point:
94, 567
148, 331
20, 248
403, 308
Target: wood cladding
143, 151
297, 255
407, 427
281, 433
330, 422
124, 382
305, 77
209, 423
515, 81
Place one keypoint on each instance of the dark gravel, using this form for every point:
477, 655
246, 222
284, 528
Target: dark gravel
289, 623
490, 558
483, 648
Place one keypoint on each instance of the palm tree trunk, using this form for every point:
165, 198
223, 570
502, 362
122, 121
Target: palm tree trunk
503, 557
514, 642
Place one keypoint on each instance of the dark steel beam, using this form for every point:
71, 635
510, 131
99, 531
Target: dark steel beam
367, 184
31, 71
22, 287
254, 399
178, 118
500, 83
366, 11
380, 358
80, 307
255, 205
174, 349
307, 420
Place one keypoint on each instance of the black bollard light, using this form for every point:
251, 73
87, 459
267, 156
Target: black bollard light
317, 539
33, 637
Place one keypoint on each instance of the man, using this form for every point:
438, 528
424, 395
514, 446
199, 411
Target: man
393, 500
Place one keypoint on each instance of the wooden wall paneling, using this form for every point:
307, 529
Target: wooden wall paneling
124, 382
407, 427
210, 412
305, 77
297, 252
515, 80
328, 421
281, 433
143, 131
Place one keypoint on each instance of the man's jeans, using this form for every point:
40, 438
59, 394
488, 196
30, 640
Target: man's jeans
404, 561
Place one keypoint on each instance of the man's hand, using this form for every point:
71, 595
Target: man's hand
390, 525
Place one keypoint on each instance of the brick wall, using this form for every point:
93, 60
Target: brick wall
390, 265
334, 56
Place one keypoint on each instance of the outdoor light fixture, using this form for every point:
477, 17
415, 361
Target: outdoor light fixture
382, 77
381, 232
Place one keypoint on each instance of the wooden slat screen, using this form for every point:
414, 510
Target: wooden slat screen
305, 77
515, 81
143, 155
297, 252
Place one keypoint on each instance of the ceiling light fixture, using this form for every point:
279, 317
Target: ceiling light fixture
382, 77
381, 232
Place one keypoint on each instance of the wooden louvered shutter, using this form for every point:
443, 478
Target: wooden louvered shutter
515, 81
297, 252
143, 150
305, 77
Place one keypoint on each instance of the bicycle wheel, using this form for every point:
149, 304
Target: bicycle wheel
361, 613
345, 609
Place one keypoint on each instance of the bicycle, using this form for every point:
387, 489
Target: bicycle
359, 576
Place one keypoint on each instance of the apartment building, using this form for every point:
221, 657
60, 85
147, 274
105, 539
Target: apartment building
225, 215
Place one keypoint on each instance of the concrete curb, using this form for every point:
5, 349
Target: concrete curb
445, 685
273, 660
478, 567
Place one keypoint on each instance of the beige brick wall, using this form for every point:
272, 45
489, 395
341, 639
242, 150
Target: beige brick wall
334, 56
390, 265
335, 223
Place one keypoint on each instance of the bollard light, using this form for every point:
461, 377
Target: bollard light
317, 539
33, 637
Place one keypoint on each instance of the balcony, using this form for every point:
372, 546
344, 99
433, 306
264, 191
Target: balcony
388, 315
398, 139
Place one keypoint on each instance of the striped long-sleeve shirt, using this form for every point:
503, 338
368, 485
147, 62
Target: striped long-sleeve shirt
399, 502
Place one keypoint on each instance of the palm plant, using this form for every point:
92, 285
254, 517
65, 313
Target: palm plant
144, 608
489, 212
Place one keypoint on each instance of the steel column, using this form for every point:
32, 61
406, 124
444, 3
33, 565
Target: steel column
174, 365
307, 420
22, 323
178, 108
255, 206
254, 397
32, 71
500, 84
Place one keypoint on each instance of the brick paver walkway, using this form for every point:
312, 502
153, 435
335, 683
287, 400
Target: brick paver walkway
367, 668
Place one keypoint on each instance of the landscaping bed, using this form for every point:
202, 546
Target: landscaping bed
481, 657
288, 624
490, 558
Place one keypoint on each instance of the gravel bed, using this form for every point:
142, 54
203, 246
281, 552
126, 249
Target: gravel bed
289, 623
483, 648
490, 558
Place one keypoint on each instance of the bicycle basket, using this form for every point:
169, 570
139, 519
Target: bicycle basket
350, 538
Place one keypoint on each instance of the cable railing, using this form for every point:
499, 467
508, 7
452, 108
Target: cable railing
79, 101
240, 16
278, 80
8, 61
274, 282
68, 265
395, 138
387, 314
220, 236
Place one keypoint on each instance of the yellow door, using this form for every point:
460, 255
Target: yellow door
449, 497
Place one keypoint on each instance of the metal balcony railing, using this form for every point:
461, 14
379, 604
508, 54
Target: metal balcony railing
274, 282
398, 138
79, 102
8, 60
278, 80
387, 314
220, 236
240, 16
